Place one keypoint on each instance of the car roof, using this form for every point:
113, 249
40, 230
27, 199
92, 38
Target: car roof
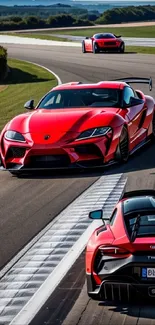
101, 84
104, 34
138, 204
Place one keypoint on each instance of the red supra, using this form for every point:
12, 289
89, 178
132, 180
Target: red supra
79, 125
120, 255
103, 42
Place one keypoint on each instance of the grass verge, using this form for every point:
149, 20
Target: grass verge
140, 49
25, 81
140, 31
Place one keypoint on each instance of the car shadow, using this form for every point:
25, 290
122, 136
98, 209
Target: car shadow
138, 309
118, 53
143, 159
66, 174
17, 76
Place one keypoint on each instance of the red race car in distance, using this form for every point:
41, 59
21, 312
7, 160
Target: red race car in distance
120, 255
79, 125
103, 42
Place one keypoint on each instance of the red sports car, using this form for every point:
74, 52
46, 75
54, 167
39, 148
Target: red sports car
79, 125
120, 255
103, 42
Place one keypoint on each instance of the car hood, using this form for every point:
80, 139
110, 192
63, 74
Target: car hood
61, 121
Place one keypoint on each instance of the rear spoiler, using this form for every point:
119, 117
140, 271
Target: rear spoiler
117, 36
138, 193
137, 80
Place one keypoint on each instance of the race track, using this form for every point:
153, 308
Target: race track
28, 204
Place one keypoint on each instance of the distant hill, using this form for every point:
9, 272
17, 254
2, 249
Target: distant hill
41, 10
91, 5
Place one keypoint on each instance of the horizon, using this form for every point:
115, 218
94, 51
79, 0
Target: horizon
48, 2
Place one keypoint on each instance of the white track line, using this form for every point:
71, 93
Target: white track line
7, 39
30, 282
36, 238
43, 67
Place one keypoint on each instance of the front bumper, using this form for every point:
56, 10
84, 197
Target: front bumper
109, 47
27, 157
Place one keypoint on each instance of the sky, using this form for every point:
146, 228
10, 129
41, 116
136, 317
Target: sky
48, 2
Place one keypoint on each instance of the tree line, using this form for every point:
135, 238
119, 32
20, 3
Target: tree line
115, 15
41, 11
3, 62
63, 20
127, 14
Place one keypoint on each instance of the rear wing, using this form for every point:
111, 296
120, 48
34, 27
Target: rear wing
137, 80
117, 36
137, 193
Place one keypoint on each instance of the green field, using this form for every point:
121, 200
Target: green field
140, 49
25, 81
140, 31
143, 31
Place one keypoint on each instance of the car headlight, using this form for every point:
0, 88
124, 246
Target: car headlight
14, 136
95, 132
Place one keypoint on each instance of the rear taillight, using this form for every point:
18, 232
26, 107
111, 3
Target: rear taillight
113, 251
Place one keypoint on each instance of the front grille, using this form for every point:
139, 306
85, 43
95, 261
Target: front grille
50, 161
109, 43
89, 149
91, 163
16, 152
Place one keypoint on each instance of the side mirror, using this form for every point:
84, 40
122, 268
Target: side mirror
96, 215
133, 102
87, 37
29, 104
136, 101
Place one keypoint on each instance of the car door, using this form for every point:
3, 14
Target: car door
134, 114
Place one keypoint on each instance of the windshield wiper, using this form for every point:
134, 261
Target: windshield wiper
135, 228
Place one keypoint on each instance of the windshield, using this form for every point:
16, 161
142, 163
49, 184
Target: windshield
101, 36
91, 97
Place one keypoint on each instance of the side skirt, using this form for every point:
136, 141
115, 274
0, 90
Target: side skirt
141, 144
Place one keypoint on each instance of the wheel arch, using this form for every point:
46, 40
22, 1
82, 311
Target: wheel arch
150, 101
117, 130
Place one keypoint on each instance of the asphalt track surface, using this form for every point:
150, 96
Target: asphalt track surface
28, 204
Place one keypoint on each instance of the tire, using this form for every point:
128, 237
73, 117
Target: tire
122, 152
122, 48
95, 48
83, 47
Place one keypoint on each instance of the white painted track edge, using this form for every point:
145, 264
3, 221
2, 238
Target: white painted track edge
22, 252
43, 67
10, 264
27, 313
